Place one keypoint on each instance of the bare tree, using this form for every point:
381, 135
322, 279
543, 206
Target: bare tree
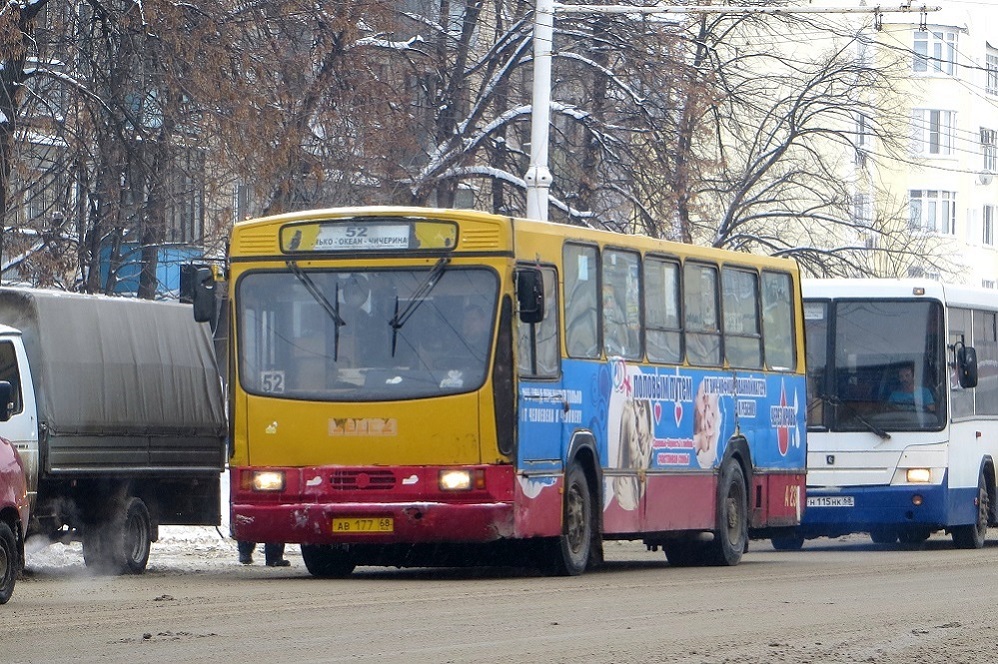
164, 122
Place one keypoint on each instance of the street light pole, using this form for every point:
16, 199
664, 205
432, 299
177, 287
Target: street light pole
538, 177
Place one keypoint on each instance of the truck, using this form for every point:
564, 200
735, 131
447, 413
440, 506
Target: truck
116, 408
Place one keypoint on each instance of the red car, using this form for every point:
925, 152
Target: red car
13, 518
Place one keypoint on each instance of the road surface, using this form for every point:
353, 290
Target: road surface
844, 600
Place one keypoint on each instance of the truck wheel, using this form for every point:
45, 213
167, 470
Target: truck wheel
9, 564
731, 535
121, 544
136, 537
570, 553
326, 561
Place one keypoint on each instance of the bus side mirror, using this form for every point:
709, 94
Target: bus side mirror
530, 295
966, 366
197, 287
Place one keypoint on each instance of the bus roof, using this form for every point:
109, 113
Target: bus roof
953, 294
248, 235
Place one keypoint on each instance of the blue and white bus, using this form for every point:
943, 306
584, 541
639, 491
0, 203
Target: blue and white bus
902, 432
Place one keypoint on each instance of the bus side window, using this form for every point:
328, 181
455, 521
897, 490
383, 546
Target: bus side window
621, 304
703, 335
662, 323
581, 331
984, 342
538, 350
742, 334
778, 320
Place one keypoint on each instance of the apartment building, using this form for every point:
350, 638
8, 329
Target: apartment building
948, 178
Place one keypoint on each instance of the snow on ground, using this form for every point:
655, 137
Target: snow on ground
179, 547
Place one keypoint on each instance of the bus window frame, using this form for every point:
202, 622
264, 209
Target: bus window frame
718, 314
794, 350
652, 258
552, 307
640, 354
567, 300
758, 335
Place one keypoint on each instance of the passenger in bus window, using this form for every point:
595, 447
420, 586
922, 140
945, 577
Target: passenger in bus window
362, 342
475, 330
309, 352
907, 394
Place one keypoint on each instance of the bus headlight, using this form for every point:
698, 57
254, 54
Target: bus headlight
268, 480
919, 475
461, 480
455, 480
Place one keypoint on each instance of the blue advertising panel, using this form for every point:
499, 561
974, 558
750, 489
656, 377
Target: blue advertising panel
661, 418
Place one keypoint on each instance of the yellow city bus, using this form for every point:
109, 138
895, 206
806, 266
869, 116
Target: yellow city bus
414, 386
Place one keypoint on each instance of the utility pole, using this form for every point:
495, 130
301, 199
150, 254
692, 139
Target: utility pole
538, 177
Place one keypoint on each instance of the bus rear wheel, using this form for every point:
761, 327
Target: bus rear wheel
570, 553
327, 561
731, 534
972, 536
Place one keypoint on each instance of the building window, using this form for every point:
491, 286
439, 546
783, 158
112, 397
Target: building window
988, 225
862, 212
989, 149
932, 131
863, 140
992, 69
935, 52
932, 211
863, 135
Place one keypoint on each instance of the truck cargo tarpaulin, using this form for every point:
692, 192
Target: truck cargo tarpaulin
119, 381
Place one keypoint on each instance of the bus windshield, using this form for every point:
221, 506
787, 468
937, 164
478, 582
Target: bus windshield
875, 365
333, 335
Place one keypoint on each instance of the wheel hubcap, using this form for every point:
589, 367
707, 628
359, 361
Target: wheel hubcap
982, 512
575, 517
134, 537
733, 518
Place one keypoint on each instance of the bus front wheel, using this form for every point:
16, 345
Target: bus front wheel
570, 553
327, 561
972, 536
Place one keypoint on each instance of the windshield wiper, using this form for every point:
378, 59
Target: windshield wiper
856, 414
331, 309
417, 298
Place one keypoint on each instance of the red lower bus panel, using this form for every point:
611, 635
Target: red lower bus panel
776, 499
365, 499
538, 506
